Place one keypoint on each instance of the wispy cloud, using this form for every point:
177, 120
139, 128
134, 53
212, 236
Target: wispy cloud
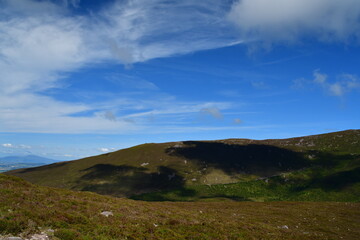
145, 29
41, 43
212, 111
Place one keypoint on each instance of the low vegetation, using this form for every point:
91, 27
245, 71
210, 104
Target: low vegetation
26, 209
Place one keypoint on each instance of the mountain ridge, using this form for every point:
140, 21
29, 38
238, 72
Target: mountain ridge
172, 166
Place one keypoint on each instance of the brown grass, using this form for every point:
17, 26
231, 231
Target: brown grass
24, 208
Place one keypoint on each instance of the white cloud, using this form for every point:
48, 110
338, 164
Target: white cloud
319, 78
7, 145
344, 83
41, 43
292, 20
21, 146
336, 89
105, 150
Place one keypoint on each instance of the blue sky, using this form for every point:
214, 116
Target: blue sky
80, 78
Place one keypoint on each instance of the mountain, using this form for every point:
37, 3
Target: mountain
16, 162
30, 211
322, 167
26, 159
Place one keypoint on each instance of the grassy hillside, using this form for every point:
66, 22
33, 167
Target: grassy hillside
320, 167
26, 209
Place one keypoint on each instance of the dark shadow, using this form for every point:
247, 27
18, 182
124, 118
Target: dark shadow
263, 160
183, 194
330, 160
333, 182
102, 171
161, 195
339, 180
127, 180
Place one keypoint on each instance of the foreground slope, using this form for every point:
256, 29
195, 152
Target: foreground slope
26, 209
190, 169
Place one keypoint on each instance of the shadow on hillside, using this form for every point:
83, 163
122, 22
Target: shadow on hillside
127, 180
160, 196
333, 182
264, 160
339, 180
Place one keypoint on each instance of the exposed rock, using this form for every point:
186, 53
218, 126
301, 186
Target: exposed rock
107, 213
178, 145
41, 236
284, 227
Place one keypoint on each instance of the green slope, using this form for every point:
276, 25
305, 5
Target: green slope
319, 167
26, 209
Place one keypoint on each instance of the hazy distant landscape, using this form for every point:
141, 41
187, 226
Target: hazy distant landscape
15, 162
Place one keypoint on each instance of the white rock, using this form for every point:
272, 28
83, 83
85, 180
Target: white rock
42, 236
107, 213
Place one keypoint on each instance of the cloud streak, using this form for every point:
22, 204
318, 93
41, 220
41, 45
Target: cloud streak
212, 111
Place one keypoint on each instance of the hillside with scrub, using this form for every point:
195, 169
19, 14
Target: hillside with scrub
322, 167
28, 211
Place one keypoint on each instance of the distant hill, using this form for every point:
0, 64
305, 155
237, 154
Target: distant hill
318, 167
27, 159
16, 162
